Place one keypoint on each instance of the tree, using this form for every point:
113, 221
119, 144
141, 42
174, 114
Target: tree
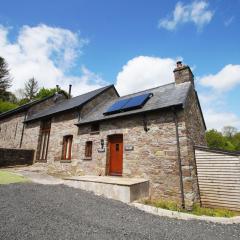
45, 92
5, 79
23, 101
6, 106
229, 140
31, 89
215, 139
236, 141
229, 131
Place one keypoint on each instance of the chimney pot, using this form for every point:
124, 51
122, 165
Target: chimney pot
57, 87
69, 91
179, 64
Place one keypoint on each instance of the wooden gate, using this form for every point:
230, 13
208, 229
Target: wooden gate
218, 178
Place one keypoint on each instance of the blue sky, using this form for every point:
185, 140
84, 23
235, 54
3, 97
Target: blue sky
132, 44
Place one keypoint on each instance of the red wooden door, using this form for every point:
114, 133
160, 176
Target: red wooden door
116, 155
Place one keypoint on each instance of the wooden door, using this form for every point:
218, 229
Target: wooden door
116, 155
67, 147
44, 141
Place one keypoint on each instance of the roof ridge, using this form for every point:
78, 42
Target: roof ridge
107, 86
70, 103
147, 89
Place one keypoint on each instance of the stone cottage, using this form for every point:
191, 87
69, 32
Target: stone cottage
150, 134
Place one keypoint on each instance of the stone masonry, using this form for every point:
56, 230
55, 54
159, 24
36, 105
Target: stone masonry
154, 155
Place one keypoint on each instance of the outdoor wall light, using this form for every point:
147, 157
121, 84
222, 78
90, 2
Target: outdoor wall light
102, 143
145, 124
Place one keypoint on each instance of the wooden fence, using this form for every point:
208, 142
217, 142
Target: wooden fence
218, 178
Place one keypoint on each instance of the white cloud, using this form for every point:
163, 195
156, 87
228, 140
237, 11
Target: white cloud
213, 100
145, 72
48, 54
226, 79
217, 120
196, 12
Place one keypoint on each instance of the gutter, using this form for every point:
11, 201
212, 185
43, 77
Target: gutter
179, 157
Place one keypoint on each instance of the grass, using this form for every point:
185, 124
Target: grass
8, 177
196, 210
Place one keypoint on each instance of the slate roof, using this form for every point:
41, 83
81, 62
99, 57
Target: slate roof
23, 108
68, 104
163, 97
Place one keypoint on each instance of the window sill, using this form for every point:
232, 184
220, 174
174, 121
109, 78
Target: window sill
65, 161
87, 158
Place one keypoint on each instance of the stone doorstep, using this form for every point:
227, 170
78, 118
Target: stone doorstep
123, 181
122, 189
184, 216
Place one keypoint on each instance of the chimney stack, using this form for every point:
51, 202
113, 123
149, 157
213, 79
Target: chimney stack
69, 91
183, 73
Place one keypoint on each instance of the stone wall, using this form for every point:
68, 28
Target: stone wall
62, 125
45, 104
107, 96
154, 156
155, 152
11, 127
195, 130
31, 136
10, 157
11, 130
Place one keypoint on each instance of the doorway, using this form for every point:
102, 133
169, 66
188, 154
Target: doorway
67, 147
44, 141
115, 154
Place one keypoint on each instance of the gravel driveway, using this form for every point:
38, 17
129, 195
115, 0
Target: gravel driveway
31, 211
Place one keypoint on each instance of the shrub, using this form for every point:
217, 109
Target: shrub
6, 106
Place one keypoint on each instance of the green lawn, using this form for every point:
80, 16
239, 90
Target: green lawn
8, 177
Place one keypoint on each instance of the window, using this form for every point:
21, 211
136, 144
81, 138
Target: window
67, 147
88, 149
95, 127
43, 140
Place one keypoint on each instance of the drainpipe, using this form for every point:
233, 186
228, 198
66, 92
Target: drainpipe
179, 157
25, 117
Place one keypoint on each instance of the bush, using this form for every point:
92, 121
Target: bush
6, 106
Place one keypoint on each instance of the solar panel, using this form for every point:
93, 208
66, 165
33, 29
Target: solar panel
136, 102
128, 104
117, 106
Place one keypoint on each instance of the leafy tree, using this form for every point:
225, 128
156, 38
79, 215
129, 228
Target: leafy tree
5, 79
215, 139
23, 101
6, 106
45, 92
31, 89
229, 131
236, 141
228, 140
229, 146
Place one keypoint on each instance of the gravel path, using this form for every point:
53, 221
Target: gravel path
31, 211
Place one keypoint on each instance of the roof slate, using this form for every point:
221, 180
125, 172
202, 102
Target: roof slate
163, 97
68, 104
